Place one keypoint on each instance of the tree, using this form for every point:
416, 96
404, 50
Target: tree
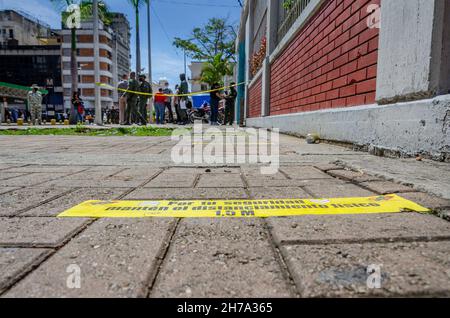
85, 13
214, 38
214, 70
137, 5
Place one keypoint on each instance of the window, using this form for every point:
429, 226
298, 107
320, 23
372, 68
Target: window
11, 33
204, 87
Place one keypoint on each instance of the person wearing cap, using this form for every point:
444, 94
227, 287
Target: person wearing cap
132, 99
145, 88
35, 104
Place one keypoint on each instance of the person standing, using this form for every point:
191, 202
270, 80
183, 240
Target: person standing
35, 104
77, 103
183, 101
160, 99
132, 99
176, 101
216, 97
168, 101
230, 105
145, 88
123, 86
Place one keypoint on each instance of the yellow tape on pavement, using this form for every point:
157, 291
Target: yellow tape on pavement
242, 208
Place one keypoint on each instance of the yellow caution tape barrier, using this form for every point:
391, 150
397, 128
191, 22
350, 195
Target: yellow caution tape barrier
169, 95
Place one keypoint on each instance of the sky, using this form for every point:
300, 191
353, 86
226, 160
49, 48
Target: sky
169, 19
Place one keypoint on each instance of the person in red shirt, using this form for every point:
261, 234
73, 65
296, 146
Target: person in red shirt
160, 108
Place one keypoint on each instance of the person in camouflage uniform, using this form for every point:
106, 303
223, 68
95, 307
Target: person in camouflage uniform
146, 88
132, 100
35, 104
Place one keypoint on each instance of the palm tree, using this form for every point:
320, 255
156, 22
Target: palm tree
214, 70
86, 11
73, 59
137, 5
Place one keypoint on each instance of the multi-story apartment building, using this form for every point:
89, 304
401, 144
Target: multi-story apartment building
122, 35
114, 60
85, 59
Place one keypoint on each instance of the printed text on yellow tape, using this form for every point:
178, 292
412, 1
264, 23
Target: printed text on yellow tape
242, 208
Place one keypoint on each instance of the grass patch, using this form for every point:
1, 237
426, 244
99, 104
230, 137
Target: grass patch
86, 131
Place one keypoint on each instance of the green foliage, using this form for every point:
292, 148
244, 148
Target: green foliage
288, 4
81, 130
215, 69
216, 37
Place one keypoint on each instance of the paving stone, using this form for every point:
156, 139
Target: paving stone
49, 169
55, 207
408, 269
92, 183
304, 173
10, 175
187, 194
7, 189
135, 173
426, 200
445, 214
268, 181
387, 187
13, 202
237, 251
31, 179
357, 228
172, 181
38, 232
335, 189
14, 262
97, 173
220, 181
352, 175
116, 258
278, 193
327, 166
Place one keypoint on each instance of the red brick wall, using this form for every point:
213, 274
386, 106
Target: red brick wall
331, 63
255, 98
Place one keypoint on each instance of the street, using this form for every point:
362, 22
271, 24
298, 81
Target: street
42, 255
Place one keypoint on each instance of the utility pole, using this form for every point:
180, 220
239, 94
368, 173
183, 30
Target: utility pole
98, 103
149, 29
185, 66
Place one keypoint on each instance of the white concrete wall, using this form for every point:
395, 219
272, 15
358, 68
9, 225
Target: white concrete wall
410, 49
406, 128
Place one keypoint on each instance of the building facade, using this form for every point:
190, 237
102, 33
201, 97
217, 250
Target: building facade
20, 28
367, 72
85, 59
122, 35
31, 54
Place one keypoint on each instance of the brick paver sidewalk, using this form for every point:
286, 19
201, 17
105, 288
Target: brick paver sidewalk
307, 256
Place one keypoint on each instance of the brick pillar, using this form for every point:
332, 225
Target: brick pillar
249, 50
414, 50
271, 37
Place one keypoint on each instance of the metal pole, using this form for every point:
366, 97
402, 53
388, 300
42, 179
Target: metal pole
185, 66
98, 103
150, 79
